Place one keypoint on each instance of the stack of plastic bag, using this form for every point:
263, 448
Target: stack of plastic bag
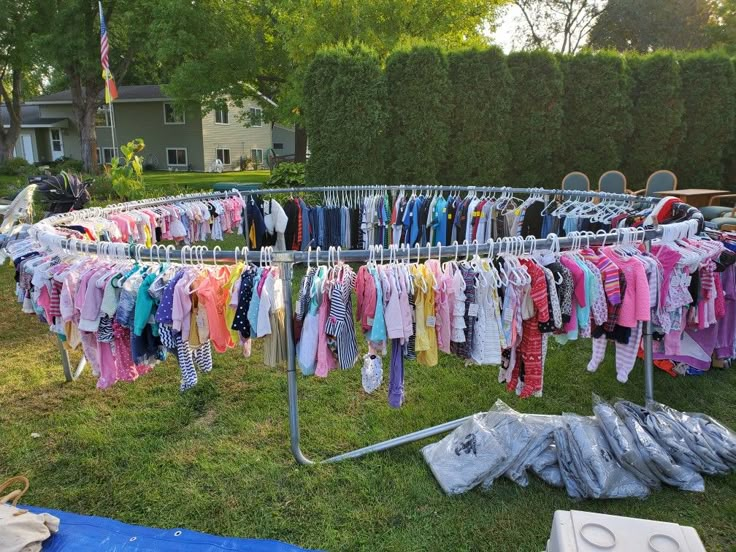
624, 451
589, 468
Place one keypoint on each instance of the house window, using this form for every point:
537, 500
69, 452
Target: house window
278, 145
57, 146
256, 116
171, 116
103, 119
222, 116
176, 157
257, 156
223, 154
108, 154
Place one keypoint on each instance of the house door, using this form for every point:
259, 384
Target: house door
27, 148
57, 144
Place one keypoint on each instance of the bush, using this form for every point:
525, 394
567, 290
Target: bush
66, 164
344, 92
535, 138
657, 112
287, 175
17, 166
480, 98
418, 130
708, 90
597, 112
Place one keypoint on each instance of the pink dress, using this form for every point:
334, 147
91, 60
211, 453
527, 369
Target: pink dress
325, 359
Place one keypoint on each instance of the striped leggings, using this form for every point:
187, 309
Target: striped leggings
625, 354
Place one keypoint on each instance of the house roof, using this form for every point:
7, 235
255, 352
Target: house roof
133, 93
31, 118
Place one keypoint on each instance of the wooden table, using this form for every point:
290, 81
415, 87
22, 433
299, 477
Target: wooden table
695, 196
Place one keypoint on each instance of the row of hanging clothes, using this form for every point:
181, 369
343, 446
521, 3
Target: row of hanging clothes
182, 221
502, 310
127, 315
357, 218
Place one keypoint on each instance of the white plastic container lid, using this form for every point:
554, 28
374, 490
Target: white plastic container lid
576, 531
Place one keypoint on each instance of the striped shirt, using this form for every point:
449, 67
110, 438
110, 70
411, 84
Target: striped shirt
609, 274
340, 327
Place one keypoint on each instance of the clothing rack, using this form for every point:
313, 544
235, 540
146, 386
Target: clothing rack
43, 232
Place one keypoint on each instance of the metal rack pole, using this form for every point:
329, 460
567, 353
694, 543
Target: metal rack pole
286, 260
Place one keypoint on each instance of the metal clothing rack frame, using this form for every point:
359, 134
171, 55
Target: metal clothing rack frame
286, 260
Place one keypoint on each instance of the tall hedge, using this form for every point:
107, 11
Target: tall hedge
418, 114
708, 81
657, 114
345, 95
480, 99
535, 139
597, 113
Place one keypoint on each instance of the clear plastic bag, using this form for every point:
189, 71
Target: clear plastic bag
656, 457
588, 467
721, 438
546, 467
540, 442
689, 429
466, 456
623, 444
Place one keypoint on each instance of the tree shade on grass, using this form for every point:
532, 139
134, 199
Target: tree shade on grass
480, 102
657, 115
708, 82
418, 126
535, 134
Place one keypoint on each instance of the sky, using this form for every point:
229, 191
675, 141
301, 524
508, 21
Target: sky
506, 27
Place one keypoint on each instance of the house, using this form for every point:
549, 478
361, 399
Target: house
174, 140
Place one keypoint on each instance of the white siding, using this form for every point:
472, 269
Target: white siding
235, 136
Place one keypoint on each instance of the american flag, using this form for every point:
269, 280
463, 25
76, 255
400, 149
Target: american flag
111, 91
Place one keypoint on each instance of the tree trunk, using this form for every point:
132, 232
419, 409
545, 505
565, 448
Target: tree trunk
300, 144
9, 136
84, 103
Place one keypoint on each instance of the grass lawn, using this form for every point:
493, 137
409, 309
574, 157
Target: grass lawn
201, 180
217, 459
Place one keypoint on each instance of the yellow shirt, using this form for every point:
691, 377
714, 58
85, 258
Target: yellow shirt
429, 356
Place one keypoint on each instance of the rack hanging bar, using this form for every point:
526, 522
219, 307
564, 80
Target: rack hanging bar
355, 256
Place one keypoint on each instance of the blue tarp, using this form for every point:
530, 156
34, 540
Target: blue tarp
81, 533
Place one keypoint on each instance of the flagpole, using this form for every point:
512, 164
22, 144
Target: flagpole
109, 97
112, 128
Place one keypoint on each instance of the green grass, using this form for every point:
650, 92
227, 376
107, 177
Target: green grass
200, 180
217, 459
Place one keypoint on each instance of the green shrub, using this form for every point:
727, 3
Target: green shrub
480, 101
344, 92
418, 115
597, 112
535, 137
287, 175
657, 114
127, 176
708, 90
66, 164
17, 166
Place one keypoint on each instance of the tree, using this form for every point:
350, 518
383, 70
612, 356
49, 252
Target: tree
268, 46
344, 107
480, 99
18, 20
536, 119
597, 112
558, 25
70, 43
657, 114
708, 83
417, 134
646, 25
